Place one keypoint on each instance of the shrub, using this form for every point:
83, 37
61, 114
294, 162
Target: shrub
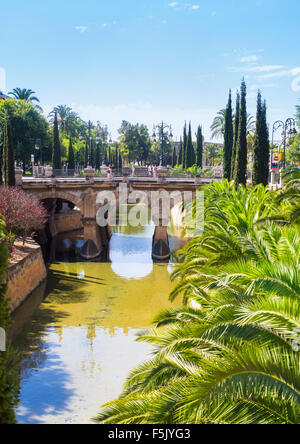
23, 214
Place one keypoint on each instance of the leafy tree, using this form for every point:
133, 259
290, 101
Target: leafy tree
56, 146
71, 156
27, 125
199, 148
228, 140
8, 154
293, 154
135, 141
241, 153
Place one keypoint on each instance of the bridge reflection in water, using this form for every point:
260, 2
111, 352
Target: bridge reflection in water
77, 333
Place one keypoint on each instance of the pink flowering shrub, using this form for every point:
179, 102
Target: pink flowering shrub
23, 214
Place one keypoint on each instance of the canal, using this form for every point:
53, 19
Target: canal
76, 334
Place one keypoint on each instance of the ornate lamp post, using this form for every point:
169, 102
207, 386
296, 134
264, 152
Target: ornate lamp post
288, 130
162, 133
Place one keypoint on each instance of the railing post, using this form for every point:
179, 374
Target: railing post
90, 175
197, 180
162, 174
48, 171
19, 176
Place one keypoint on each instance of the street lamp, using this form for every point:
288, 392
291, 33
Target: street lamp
288, 130
38, 147
163, 133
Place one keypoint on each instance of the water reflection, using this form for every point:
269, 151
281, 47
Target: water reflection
78, 345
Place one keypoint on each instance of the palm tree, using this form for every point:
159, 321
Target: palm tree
233, 360
218, 126
233, 356
289, 196
211, 152
250, 124
26, 95
69, 122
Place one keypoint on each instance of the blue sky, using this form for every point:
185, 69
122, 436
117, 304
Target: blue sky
145, 61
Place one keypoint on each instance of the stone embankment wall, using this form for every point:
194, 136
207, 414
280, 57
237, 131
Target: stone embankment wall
68, 221
26, 272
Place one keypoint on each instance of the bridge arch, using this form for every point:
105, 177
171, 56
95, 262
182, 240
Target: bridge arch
64, 195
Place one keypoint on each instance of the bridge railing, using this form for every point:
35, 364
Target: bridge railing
67, 173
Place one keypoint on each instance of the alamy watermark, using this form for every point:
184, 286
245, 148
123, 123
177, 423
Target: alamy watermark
134, 208
296, 342
2, 340
2, 80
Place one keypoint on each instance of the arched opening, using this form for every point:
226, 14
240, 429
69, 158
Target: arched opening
63, 233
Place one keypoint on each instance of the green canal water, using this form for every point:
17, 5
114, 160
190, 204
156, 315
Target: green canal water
77, 332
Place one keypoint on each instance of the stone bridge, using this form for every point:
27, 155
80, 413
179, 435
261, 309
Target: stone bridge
84, 195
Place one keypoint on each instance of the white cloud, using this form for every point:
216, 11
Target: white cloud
263, 86
264, 68
249, 59
195, 7
164, 22
173, 4
296, 84
81, 29
286, 73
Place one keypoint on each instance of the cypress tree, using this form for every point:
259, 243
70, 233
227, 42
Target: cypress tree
241, 152
199, 150
265, 147
93, 152
189, 149
174, 157
257, 158
261, 145
185, 140
180, 153
9, 165
71, 156
56, 159
98, 157
86, 155
120, 165
236, 133
228, 140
